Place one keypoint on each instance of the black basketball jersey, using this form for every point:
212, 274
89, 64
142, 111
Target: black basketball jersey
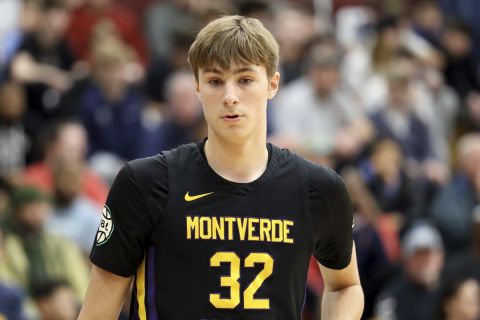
204, 248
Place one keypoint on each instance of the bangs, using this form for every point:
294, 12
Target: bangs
234, 41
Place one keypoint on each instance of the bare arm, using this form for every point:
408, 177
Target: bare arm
25, 69
343, 295
105, 295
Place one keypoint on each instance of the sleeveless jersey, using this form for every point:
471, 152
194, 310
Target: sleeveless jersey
205, 248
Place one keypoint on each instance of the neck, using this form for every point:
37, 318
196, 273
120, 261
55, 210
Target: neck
242, 162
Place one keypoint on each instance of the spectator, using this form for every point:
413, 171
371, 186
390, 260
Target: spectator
11, 297
65, 141
460, 300
160, 70
419, 285
293, 26
315, 114
182, 122
374, 264
45, 64
454, 205
384, 175
75, 217
399, 122
88, 16
32, 254
163, 20
110, 107
467, 263
428, 21
13, 138
460, 69
55, 300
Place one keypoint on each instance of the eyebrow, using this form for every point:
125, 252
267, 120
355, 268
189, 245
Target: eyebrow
239, 70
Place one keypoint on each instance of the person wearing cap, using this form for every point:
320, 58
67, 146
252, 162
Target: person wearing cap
420, 283
32, 254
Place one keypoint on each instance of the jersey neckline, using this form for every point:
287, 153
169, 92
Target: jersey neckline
272, 163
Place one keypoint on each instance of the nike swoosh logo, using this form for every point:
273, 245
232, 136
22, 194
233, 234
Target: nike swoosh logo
188, 197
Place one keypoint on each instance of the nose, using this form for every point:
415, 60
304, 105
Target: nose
230, 97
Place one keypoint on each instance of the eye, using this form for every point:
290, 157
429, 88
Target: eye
215, 82
245, 81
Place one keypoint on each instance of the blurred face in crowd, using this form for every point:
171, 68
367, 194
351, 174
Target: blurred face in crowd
424, 265
429, 17
387, 160
68, 181
470, 159
465, 304
399, 93
31, 217
53, 25
458, 44
71, 143
235, 100
325, 79
111, 79
59, 306
390, 37
12, 102
182, 99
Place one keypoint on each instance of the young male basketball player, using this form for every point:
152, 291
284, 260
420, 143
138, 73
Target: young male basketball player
224, 229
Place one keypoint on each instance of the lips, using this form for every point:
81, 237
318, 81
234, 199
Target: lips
231, 117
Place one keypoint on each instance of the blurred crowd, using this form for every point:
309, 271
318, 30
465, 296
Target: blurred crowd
386, 92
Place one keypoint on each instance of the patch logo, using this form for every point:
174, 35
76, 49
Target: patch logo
105, 229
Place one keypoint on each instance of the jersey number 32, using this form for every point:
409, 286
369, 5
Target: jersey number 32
231, 281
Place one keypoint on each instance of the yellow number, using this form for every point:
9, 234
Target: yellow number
230, 281
248, 300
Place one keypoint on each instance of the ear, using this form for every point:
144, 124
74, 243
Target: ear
197, 89
273, 85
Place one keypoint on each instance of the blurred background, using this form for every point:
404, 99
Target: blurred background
386, 92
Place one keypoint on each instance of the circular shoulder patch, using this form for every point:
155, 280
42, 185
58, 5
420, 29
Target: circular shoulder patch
105, 229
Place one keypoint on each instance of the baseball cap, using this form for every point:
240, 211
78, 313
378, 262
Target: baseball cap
421, 236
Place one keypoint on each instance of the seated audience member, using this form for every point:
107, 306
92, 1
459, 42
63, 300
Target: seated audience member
453, 207
110, 107
32, 254
385, 177
399, 122
45, 64
55, 300
420, 282
460, 300
317, 116
14, 141
65, 141
460, 70
467, 263
87, 16
160, 71
374, 264
163, 20
74, 217
293, 26
11, 297
182, 121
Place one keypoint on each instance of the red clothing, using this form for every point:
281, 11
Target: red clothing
85, 18
40, 175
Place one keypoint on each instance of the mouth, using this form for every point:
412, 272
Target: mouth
232, 117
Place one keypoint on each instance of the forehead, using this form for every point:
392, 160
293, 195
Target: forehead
234, 68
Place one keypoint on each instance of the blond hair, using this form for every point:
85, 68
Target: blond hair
234, 39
